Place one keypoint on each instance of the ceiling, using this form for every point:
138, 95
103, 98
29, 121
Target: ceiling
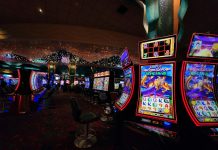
124, 16
116, 15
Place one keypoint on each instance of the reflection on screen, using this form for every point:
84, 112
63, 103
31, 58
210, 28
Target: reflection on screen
204, 46
199, 91
127, 89
156, 91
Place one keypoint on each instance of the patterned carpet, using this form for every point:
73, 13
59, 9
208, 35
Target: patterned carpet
52, 128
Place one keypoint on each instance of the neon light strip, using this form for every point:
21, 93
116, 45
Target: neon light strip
19, 80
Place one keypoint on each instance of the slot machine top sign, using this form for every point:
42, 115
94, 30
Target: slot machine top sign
203, 46
125, 59
158, 48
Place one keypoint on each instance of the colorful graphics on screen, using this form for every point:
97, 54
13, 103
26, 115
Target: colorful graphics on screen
106, 83
200, 91
127, 89
158, 48
156, 91
124, 58
116, 86
204, 46
217, 84
101, 83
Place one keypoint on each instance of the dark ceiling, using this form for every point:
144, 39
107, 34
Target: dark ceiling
116, 15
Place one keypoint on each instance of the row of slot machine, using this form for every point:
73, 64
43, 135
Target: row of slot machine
21, 89
172, 98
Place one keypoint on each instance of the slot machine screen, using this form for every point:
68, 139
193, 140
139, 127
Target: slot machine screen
217, 83
106, 83
98, 83
124, 58
38, 79
76, 82
128, 79
203, 45
156, 93
87, 83
116, 86
62, 82
101, 83
67, 81
199, 91
158, 48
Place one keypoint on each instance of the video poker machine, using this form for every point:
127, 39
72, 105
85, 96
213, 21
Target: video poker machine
103, 83
199, 83
156, 104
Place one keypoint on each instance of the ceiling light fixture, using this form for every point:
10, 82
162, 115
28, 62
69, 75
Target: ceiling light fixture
40, 10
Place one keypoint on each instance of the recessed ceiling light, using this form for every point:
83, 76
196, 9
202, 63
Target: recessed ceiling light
40, 10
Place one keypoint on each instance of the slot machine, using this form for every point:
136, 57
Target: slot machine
9, 83
103, 83
199, 85
156, 104
38, 83
125, 105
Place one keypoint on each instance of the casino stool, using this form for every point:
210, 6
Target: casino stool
85, 139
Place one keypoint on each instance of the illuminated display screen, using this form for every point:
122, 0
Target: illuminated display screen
199, 91
101, 83
156, 91
57, 77
76, 82
128, 79
87, 83
67, 81
116, 86
217, 83
158, 48
62, 82
203, 46
98, 83
124, 58
106, 83
38, 79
